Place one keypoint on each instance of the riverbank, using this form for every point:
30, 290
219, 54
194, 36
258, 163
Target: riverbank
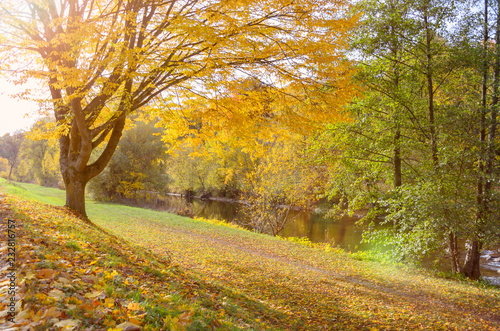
225, 278
343, 232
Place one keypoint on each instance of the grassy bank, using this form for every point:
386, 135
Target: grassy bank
163, 271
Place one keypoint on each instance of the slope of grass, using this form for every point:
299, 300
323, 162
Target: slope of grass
227, 278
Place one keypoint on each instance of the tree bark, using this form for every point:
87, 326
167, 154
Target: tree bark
398, 177
398, 181
75, 194
454, 253
430, 89
10, 171
75, 175
472, 258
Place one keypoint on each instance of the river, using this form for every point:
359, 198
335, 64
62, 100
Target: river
341, 232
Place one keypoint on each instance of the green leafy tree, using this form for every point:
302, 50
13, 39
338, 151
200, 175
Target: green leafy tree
411, 154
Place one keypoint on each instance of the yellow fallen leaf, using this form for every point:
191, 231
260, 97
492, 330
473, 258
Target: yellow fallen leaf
57, 294
110, 302
25, 314
133, 306
36, 316
135, 320
51, 312
93, 295
68, 324
128, 326
29, 275
40, 296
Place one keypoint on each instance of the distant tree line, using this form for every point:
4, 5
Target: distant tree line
27, 158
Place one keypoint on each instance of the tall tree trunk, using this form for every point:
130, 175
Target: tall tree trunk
492, 146
396, 158
472, 257
74, 181
398, 180
430, 88
452, 238
454, 253
10, 171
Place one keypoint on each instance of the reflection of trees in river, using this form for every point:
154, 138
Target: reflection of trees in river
341, 232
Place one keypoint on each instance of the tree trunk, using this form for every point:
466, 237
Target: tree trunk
76, 174
398, 178
471, 265
430, 88
398, 181
75, 194
454, 253
10, 171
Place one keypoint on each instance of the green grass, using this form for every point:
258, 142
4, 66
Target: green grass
253, 281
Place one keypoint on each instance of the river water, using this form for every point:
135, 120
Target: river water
341, 232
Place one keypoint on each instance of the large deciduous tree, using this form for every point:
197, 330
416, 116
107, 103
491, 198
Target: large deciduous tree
103, 60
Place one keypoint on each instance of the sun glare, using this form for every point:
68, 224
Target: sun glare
15, 114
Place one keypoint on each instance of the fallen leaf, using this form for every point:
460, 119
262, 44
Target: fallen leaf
25, 314
68, 324
64, 280
57, 294
127, 326
46, 274
110, 302
93, 295
133, 306
185, 317
51, 312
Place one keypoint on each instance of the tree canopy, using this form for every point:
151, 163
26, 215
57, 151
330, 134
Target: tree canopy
103, 60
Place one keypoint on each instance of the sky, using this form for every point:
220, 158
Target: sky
13, 112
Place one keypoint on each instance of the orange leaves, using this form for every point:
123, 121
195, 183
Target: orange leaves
46, 274
134, 306
179, 322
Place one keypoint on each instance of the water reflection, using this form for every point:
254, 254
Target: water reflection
342, 232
